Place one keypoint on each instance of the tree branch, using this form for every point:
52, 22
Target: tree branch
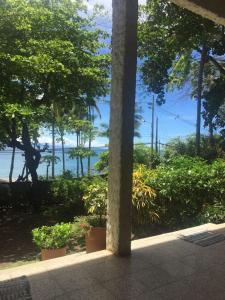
218, 65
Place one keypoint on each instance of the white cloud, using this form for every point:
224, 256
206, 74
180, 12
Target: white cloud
70, 141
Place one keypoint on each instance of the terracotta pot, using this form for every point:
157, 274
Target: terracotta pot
95, 239
52, 253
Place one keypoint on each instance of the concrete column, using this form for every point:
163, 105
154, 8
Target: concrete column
124, 63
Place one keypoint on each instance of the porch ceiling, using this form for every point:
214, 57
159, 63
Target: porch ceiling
211, 9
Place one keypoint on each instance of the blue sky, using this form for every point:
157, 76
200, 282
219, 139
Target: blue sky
177, 117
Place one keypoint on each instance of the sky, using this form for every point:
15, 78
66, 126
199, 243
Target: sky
177, 117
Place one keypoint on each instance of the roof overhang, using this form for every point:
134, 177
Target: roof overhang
211, 9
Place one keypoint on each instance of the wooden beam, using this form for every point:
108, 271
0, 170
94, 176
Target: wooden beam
210, 9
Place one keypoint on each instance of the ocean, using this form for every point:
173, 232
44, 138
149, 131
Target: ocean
70, 164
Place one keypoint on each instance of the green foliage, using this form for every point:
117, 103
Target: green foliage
142, 155
83, 224
102, 164
184, 185
213, 214
66, 196
144, 210
176, 46
50, 65
186, 146
52, 237
95, 197
80, 152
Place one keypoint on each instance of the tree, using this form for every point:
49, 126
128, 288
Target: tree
175, 46
179, 146
50, 52
48, 160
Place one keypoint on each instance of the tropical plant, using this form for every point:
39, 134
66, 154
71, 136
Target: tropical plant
95, 198
48, 159
144, 208
83, 224
143, 198
52, 237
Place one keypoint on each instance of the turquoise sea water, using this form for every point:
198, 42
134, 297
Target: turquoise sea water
5, 160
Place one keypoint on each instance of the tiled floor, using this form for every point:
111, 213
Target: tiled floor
162, 267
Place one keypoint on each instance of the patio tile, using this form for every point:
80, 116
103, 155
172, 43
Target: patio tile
154, 277
177, 269
198, 262
125, 287
174, 291
71, 280
105, 271
96, 292
44, 287
207, 285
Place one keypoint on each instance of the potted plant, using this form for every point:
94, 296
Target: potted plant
52, 240
93, 226
93, 230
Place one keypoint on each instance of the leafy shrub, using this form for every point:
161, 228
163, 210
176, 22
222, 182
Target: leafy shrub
67, 199
187, 146
51, 237
143, 198
25, 196
103, 163
213, 214
83, 223
184, 185
142, 155
144, 209
95, 197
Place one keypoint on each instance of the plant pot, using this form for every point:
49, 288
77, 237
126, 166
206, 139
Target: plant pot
52, 253
95, 239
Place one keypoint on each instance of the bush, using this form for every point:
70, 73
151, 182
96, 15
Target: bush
213, 214
25, 196
95, 198
144, 208
142, 155
67, 199
51, 237
83, 224
184, 185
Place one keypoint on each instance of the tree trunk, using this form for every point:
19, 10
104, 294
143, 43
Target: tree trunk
12, 164
199, 98
81, 166
14, 149
89, 142
77, 158
211, 136
32, 156
48, 165
63, 151
53, 144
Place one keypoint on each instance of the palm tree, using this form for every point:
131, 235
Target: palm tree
48, 159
